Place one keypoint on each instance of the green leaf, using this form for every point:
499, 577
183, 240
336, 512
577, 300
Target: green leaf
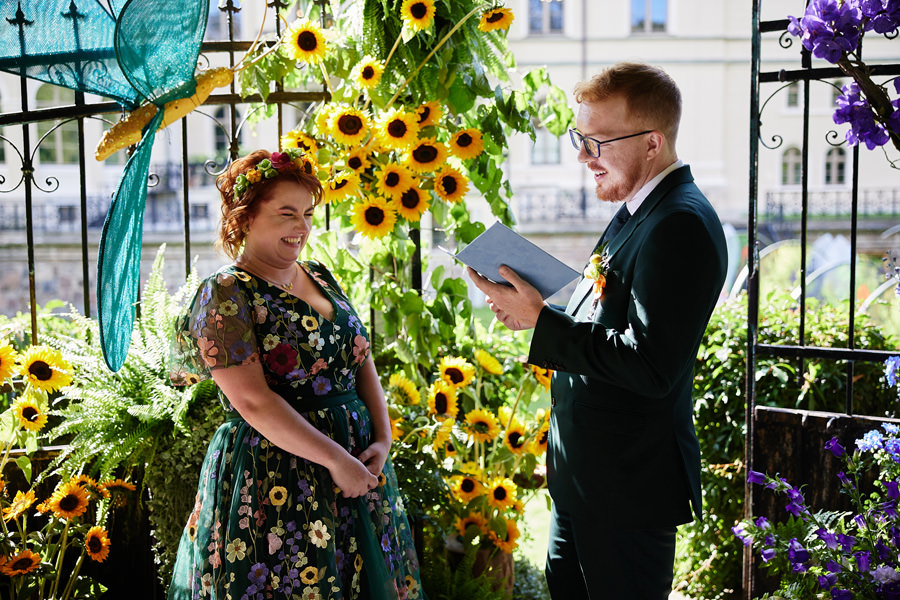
24, 464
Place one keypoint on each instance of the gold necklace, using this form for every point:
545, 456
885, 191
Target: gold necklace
290, 284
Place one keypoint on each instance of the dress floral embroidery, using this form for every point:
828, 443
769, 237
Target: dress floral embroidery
268, 524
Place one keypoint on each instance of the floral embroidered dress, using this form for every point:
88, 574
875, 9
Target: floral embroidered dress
266, 523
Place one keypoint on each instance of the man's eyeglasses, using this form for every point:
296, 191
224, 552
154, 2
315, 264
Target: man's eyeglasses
591, 145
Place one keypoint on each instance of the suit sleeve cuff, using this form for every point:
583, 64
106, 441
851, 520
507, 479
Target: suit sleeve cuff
552, 323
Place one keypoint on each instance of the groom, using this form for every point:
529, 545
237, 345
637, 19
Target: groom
623, 460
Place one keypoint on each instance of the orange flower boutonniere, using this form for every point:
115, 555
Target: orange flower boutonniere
596, 270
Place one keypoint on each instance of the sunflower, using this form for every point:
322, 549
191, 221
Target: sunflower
442, 439
8, 358
298, 139
367, 72
397, 129
426, 155
542, 375
418, 14
412, 204
45, 368
488, 362
309, 575
323, 116
97, 543
514, 438
348, 125
342, 185
512, 534
19, 505
278, 495
23, 562
496, 18
305, 42
539, 444
118, 487
450, 184
429, 113
473, 518
396, 431
393, 180
466, 487
502, 493
442, 400
483, 425
308, 164
94, 489
31, 417
358, 160
68, 501
466, 143
407, 389
456, 371
373, 217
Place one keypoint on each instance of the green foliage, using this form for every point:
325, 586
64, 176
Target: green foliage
709, 564
444, 580
530, 583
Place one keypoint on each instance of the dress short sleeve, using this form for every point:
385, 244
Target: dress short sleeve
215, 332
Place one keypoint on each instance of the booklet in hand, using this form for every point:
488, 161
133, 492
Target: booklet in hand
500, 245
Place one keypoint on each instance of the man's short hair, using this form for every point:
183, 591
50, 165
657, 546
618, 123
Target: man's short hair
651, 95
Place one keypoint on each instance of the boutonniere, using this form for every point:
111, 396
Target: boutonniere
596, 270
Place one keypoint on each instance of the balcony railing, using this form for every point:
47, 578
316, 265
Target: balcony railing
874, 203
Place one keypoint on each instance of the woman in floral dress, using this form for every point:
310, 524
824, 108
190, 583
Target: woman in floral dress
297, 497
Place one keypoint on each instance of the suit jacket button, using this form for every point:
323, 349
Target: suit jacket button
552, 400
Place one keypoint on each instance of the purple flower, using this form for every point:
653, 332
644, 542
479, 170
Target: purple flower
862, 561
844, 479
797, 554
741, 533
321, 386
826, 582
892, 447
829, 538
841, 595
846, 541
767, 554
258, 574
756, 477
834, 446
763, 523
833, 567
852, 108
829, 29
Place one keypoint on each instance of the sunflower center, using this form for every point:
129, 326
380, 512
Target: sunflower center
40, 370
392, 179
455, 375
440, 403
449, 184
500, 494
464, 140
423, 116
515, 439
368, 72
543, 438
494, 17
467, 485
95, 545
307, 41
481, 426
29, 413
410, 198
69, 503
354, 163
349, 124
339, 184
374, 216
397, 128
425, 154
23, 562
278, 495
418, 10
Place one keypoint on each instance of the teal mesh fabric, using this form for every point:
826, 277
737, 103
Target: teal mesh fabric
132, 51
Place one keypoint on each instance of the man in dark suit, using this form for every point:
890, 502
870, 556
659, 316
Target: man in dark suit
623, 461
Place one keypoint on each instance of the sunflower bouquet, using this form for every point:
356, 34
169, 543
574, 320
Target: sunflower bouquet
473, 418
39, 541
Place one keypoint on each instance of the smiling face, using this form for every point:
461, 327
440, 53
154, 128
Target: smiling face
623, 166
279, 228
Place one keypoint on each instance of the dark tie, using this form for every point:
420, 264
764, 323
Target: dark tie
618, 221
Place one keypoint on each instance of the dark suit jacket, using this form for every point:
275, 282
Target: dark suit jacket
622, 449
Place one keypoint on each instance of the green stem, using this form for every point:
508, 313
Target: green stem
70, 586
61, 551
430, 54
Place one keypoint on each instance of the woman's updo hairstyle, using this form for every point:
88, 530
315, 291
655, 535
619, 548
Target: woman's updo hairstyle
238, 208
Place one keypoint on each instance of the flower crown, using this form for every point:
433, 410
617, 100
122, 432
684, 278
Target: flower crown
268, 169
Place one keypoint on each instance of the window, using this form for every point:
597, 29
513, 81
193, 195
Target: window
545, 16
791, 167
221, 139
217, 21
648, 16
836, 167
545, 150
793, 95
61, 145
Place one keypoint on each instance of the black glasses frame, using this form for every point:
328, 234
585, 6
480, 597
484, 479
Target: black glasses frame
579, 139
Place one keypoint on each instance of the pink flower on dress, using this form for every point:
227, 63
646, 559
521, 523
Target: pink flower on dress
215, 559
318, 366
274, 542
208, 351
360, 349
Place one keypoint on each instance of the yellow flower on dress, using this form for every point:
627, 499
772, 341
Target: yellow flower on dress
412, 204
358, 160
309, 575
309, 323
393, 180
450, 185
373, 217
342, 185
466, 487
473, 518
298, 139
397, 129
426, 155
70, 500
429, 113
488, 362
507, 544
418, 14
19, 505
97, 543
45, 368
30, 415
456, 371
8, 356
542, 375
23, 562
367, 73
304, 41
348, 125
407, 389
502, 493
496, 18
278, 495
483, 425
466, 144
514, 438
442, 401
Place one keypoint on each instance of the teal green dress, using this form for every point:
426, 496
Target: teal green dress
268, 524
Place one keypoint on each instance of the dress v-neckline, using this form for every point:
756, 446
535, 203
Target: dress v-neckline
312, 278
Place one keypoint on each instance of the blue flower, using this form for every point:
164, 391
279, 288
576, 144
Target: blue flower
892, 447
871, 441
834, 446
862, 561
890, 428
891, 368
756, 477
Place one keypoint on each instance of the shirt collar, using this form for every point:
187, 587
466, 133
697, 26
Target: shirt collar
635, 203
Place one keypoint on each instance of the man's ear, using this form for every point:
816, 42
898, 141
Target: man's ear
656, 141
